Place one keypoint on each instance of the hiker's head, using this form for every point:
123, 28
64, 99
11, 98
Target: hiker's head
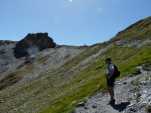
108, 60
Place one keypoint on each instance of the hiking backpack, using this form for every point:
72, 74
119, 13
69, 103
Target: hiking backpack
116, 72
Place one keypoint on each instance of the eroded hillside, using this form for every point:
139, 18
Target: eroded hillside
59, 78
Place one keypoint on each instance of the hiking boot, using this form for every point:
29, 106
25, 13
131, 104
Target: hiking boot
112, 102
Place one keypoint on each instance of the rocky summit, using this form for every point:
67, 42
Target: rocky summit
71, 79
33, 43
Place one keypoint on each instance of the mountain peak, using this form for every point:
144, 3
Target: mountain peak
139, 30
40, 41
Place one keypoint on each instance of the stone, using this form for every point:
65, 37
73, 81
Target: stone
32, 44
94, 106
81, 104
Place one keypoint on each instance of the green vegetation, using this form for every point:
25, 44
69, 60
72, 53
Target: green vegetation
9, 80
90, 80
88, 52
14, 77
59, 91
140, 30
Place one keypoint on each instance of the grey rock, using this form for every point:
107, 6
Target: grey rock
134, 100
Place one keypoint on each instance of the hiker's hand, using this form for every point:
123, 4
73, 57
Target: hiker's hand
109, 77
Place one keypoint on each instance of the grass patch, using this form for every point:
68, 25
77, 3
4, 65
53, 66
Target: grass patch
67, 103
140, 31
90, 80
88, 52
9, 80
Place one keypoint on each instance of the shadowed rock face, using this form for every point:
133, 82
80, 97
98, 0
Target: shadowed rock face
39, 40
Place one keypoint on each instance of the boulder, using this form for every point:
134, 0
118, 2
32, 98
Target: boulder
38, 41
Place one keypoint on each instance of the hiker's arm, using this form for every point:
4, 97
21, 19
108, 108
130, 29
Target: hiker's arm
112, 70
107, 74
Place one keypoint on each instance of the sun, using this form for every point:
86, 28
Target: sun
70, 0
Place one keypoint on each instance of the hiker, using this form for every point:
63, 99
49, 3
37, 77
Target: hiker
111, 74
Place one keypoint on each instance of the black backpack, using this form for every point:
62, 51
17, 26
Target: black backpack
116, 72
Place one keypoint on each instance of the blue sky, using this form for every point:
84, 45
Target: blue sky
72, 22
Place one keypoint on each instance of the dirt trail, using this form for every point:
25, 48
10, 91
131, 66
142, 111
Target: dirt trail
127, 94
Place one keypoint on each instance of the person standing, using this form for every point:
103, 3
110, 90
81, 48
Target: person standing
111, 74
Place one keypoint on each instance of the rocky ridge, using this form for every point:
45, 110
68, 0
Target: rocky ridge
32, 44
133, 95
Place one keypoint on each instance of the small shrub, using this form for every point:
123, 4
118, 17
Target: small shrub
148, 109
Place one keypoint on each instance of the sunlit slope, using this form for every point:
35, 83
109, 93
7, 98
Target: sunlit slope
136, 51
58, 90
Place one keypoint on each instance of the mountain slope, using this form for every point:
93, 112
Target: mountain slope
57, 79
132, 96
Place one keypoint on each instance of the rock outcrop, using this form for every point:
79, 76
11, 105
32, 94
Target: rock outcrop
6, 42
133, 95
33, 43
